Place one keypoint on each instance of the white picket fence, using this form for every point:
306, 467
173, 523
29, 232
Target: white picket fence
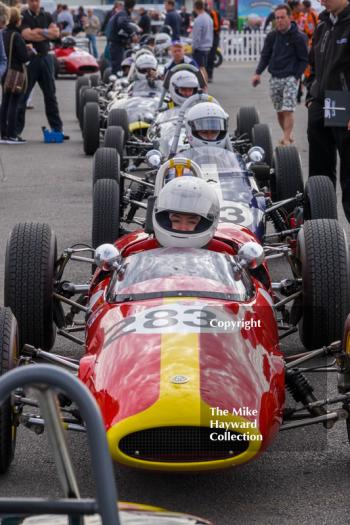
237, 46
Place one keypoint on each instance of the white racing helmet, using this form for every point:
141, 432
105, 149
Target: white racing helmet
144, 64
192, 198
179, 81
206, 124
162, 42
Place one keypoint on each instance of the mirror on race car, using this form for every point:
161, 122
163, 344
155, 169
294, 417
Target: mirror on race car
251, 255
154, 158
107, 257
256, 154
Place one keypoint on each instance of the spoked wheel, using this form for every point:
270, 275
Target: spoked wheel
79, 83
91, 128
119, 117
322, 251
320, 200
114, 138
247, 117
106, 165
105, 213
8, 359
287, 179
262, 137
29, 276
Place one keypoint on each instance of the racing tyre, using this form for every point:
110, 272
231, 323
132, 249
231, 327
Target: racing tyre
320, 200
114, 138
87, 95
247, 117
218, 59
79, 83
323, 254
94, 80
8, 359
29, 275
105, 212
91, 128
106, 74
106, 165
262, 137
119, 117
103, 63
287, 179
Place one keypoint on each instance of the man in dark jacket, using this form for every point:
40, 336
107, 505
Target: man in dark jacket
121, 34
172, 19
330, 70
286, 55
144, 22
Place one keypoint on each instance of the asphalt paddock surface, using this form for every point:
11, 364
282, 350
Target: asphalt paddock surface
303, 478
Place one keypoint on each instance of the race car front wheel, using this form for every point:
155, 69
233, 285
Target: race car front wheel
287, 178
91, 128
29, 276
247, 117
218, 59
320, 200
322, 252
86, 95
105, 212
262, 137
114, 138
119, 117
8, 360
79, 83
106, 165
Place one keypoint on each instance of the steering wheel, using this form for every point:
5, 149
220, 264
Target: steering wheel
179, 164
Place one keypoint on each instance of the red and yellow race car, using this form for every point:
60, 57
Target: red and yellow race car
181, 346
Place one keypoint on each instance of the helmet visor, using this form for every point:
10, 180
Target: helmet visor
209, 124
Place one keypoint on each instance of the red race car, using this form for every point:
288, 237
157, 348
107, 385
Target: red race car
181, 346
72, 57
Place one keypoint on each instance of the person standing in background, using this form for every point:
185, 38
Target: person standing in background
172, 19
215, 16
285, 54
65, 21
202, 37
38, 29
121, 34
4, 18
117, 6
330, 70
185, 21
91, 25
17, 52
144, 22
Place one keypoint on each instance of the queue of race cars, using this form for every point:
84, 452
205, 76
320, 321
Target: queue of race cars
177, 313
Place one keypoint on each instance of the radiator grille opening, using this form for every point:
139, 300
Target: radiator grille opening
180, 444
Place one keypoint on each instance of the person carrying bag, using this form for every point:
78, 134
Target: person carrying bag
15, 79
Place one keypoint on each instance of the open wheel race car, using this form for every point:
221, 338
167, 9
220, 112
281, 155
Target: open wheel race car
72, 57
173, 334
51, 385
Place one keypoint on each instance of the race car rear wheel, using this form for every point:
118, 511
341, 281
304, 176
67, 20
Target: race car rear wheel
29, 275
94, 80
91, 128
105, 212
247, 117
106, 165
262, 137
320, 200
106, 74
8, 360
119, 117
114, 138
87, 95
287, 179
323, 254
79, 83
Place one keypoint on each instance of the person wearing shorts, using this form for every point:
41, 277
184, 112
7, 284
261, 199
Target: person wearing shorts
285, 53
